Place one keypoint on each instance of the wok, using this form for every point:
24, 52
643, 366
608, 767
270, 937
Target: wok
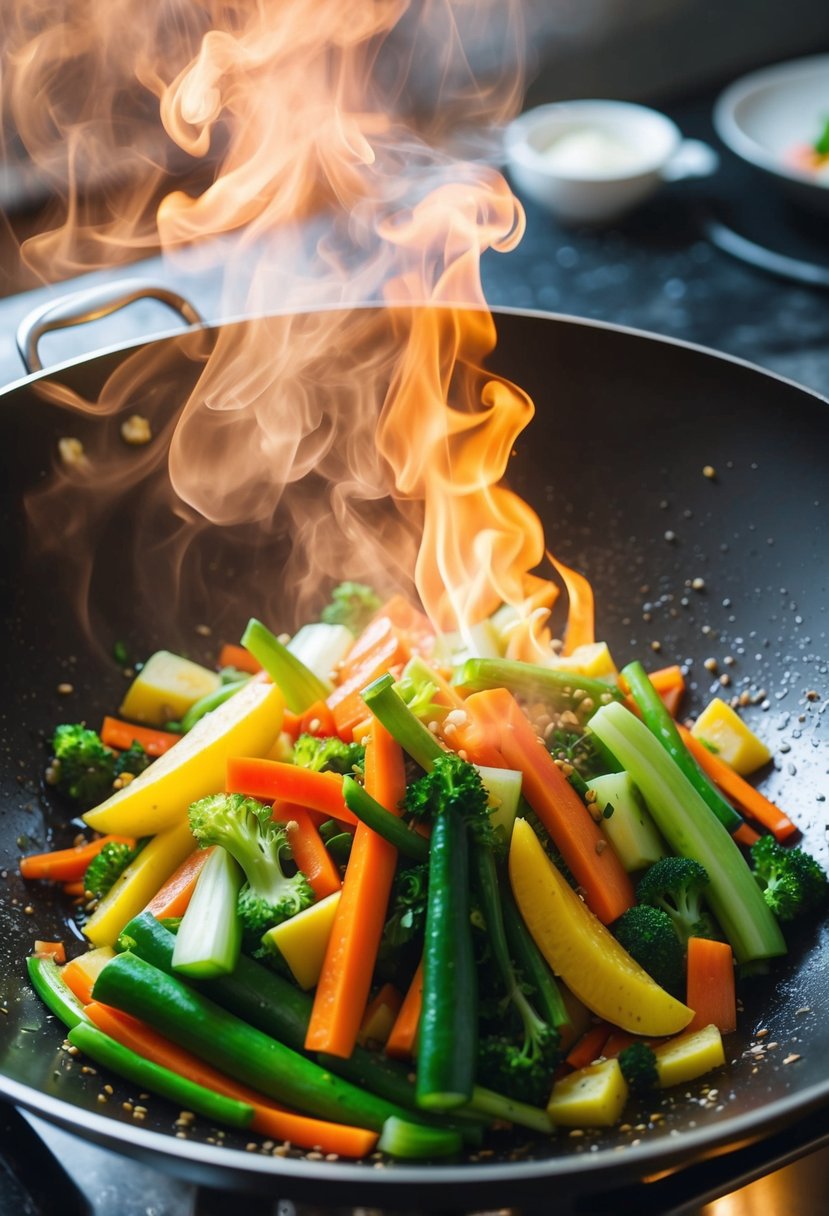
612, 462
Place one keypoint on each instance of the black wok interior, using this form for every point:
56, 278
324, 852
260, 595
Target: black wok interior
613, 462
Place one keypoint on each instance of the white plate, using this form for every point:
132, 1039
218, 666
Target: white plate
764, 115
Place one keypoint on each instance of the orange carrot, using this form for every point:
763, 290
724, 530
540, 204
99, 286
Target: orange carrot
617, 1041
122, 735
74, 889
316, 720
378, 649
592, 862
173, 897
238, 657
309, 852
581, 630
710, 991
66, 865
269, 1119
738, 789
343, 988
78, 981
414, 624
273, 780
402, 1042
55, 950
746, 835
589, 1046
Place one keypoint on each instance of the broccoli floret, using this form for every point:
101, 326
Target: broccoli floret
452, 783
792, 881
109, 864
677, 886
82, 768
648, 935
132, 761
638, 1065
247, 830
352, 605
407, 907
523, 1071
328, 754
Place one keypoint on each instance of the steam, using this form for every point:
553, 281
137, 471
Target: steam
371, 439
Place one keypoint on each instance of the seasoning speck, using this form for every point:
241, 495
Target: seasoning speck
72, 453
136, 431
65, 690
709, 471
791, 1058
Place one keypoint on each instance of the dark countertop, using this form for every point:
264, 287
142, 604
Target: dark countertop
658, 272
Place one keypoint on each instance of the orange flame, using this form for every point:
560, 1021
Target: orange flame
303, 422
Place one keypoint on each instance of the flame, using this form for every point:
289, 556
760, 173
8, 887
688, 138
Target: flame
318, 189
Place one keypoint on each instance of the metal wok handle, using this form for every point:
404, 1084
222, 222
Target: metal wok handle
90, 305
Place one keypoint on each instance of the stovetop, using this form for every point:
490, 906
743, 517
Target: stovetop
658, 271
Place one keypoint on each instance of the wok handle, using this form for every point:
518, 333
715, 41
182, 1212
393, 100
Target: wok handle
90, 305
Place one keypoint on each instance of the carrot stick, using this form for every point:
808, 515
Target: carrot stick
379, 648
66, 865
269, 1119
581, 629
617, 1041
711, 985
595, 866
238, 657
74, 888
344, 983
122, 735
748, 799
173, 897
402, 1042
316, 720
589, 1046
746, 835
55, 950
273, 780
309, 852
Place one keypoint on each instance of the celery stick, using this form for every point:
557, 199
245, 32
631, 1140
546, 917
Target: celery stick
299, 686
692, 830
210, 934
415, 738
532, 680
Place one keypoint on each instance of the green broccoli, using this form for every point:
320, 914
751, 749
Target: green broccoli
132, 761
453, 783
328, 754
407, 906
352, 605
523, 1071
638, 1065
84, 769
648, 935
109, 864
247, 830
677, 886
792, 881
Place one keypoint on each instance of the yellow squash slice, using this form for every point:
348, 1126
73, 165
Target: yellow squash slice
582, 951
246, 725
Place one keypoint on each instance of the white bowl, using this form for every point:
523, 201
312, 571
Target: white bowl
590, 162
764, 115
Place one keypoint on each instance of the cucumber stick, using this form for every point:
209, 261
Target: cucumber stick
691, 830
626, 822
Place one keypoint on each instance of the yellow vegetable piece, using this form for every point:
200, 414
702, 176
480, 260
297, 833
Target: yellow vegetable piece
689, 1056
166, 687
133, 889
723, 729
581, 950
303, 939
594, 1096
381, 1014
591, 659
246, 725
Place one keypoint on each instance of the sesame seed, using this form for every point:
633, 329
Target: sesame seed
65, 690
791, 1058
709, 471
